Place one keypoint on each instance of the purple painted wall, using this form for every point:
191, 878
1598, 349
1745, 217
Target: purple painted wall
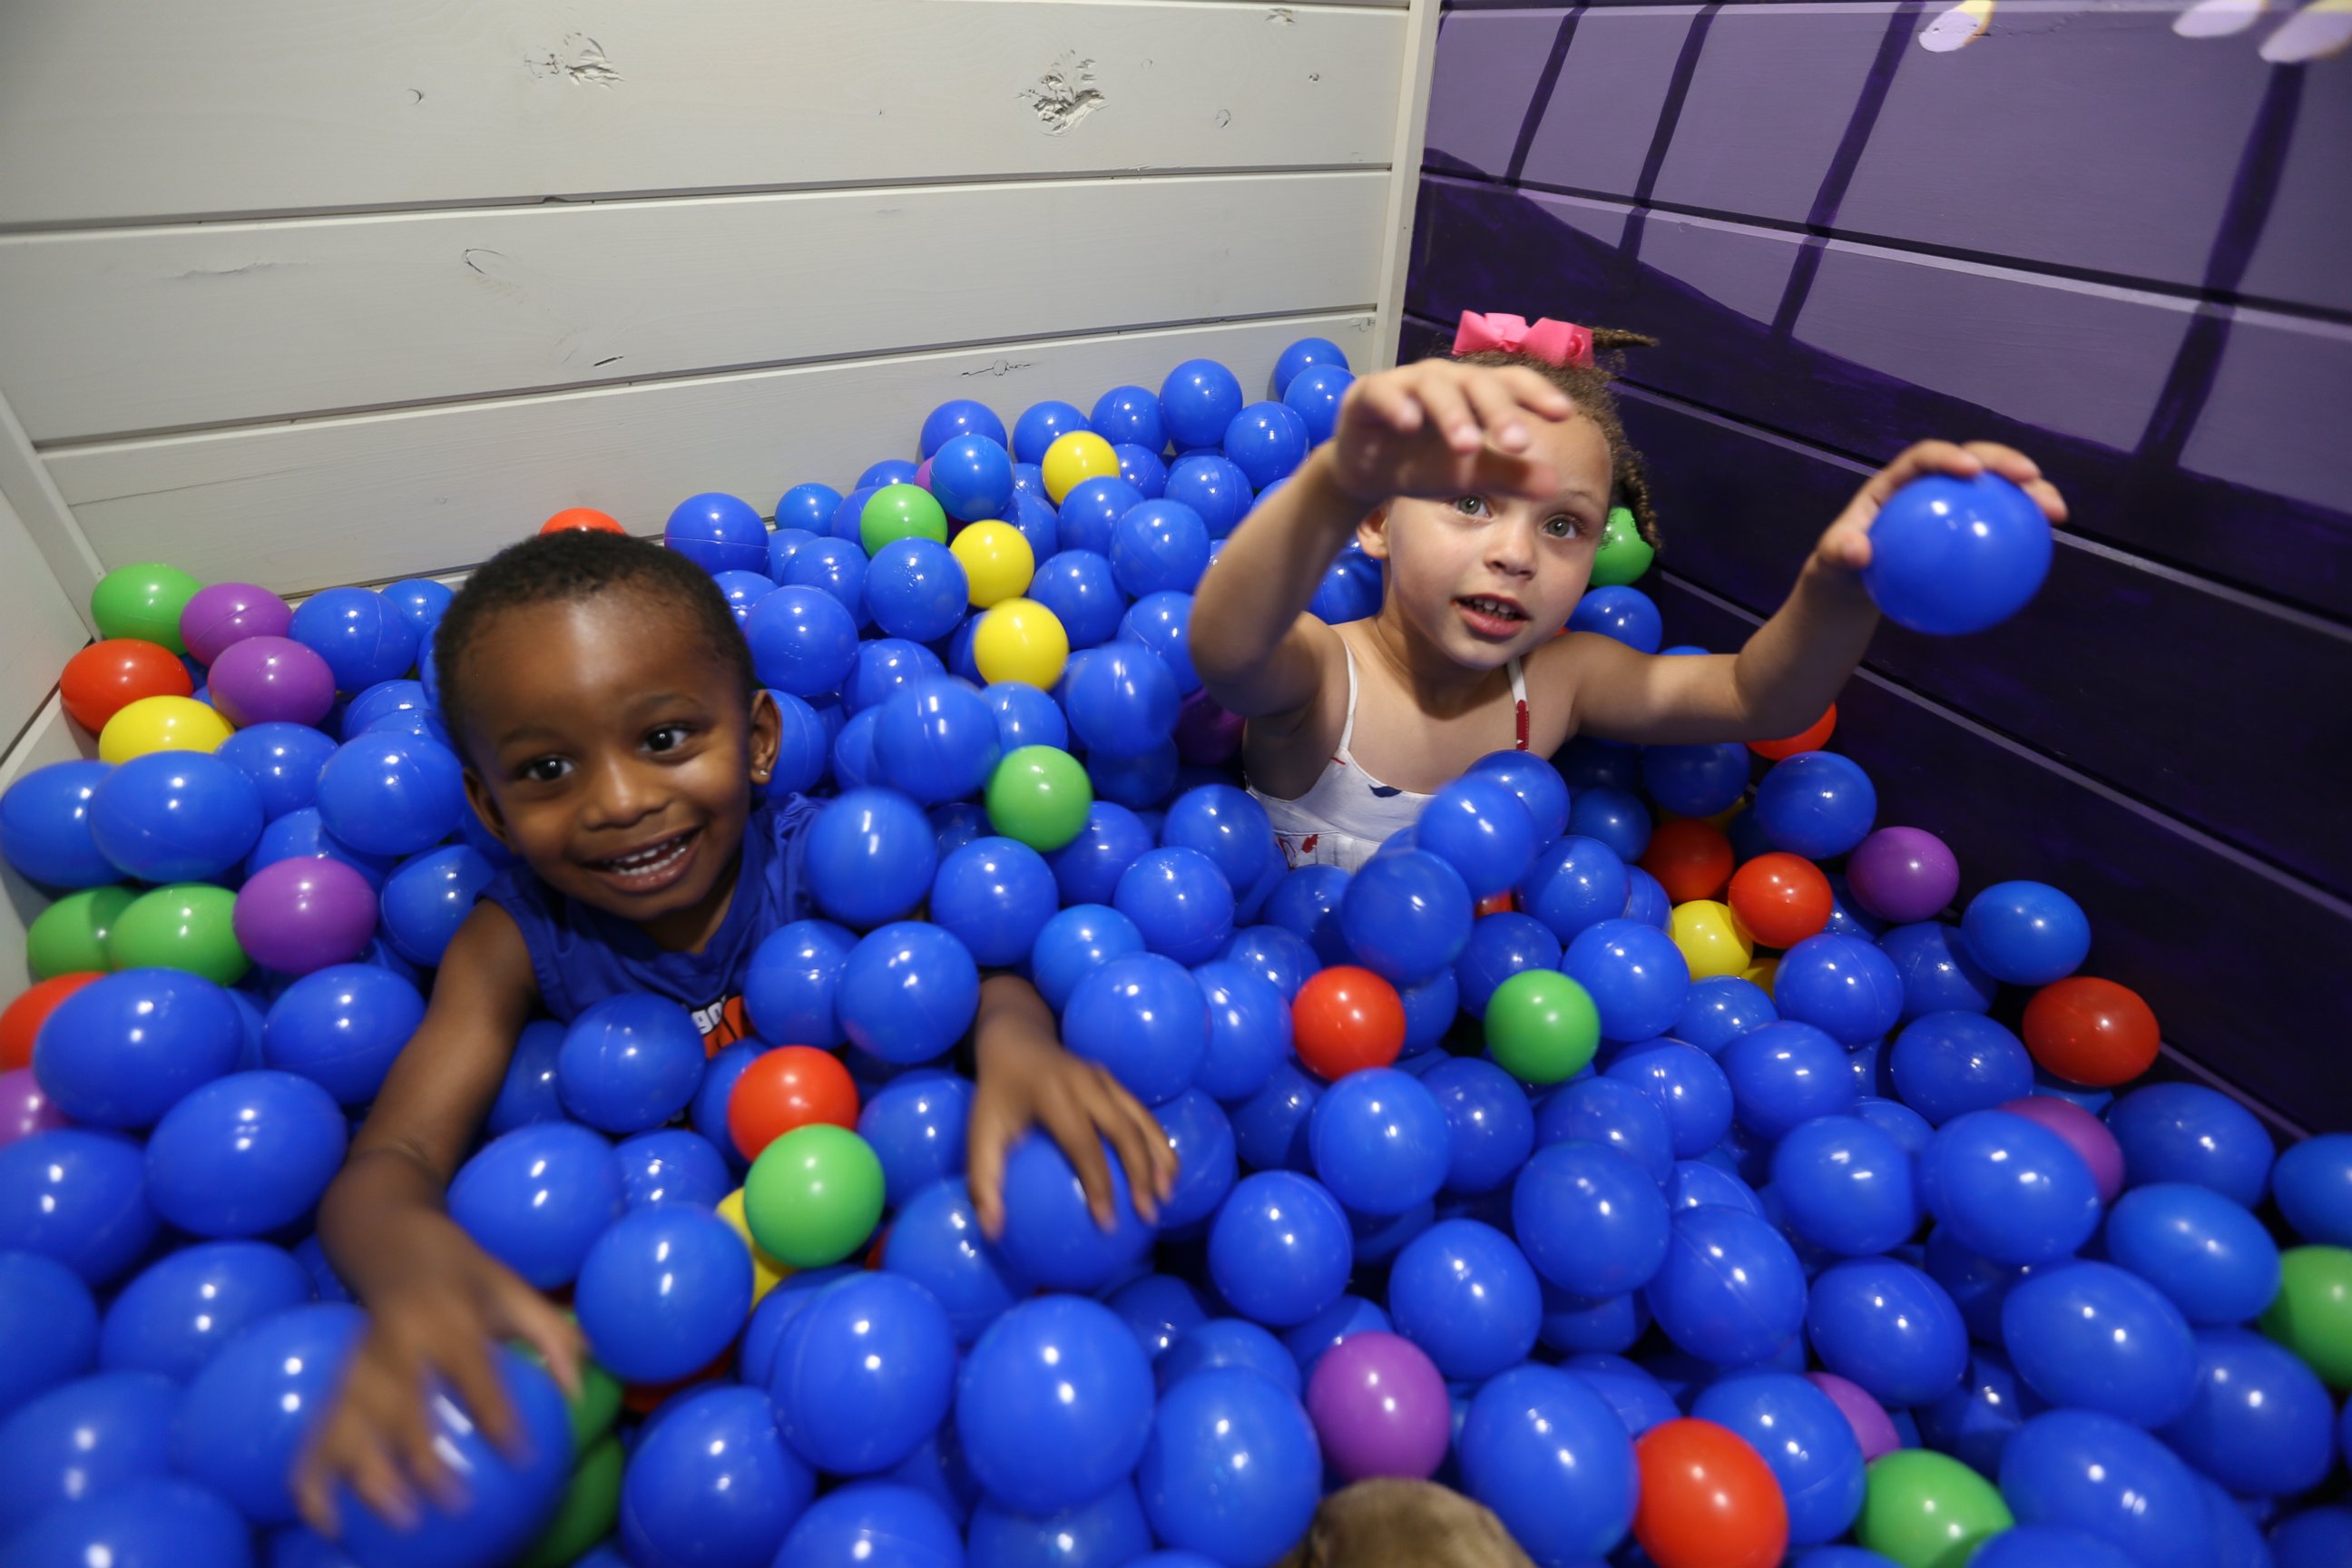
2125, 249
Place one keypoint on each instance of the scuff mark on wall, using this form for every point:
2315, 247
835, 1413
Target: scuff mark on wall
1002, 367
1065, 94
1282, 17
237, 271
580, 60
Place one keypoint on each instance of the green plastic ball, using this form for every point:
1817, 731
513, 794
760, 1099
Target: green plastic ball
1541, 1026
1624, 554
900, 512
590, 1509
1040, 795
69, 936
814, 1195
2312, 1313
180, 925
144, 602
1927, 1510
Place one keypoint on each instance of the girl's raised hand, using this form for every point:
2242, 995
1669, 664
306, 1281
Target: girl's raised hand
1440, 428
1846, 545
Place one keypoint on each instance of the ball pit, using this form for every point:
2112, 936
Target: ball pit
1715, 1140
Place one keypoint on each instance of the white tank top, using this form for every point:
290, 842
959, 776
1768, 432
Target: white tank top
1347, 813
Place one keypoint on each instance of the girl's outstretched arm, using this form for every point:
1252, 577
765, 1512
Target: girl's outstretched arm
1436, 429
1792, 669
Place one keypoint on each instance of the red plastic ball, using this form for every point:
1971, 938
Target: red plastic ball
1708, 1501
1346, 1019
1782, 898
2091, 1031
789, 1088
23, 1018
1812, 738
1690, 858
106, 677
584, 518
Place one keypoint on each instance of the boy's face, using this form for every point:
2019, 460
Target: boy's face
1486, 578
613, 751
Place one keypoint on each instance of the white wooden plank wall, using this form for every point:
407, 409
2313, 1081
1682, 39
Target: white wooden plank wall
306, 295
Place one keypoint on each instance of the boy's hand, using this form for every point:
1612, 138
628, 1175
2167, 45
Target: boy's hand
1026, 1078
1438, 428
442, 1325
1846, 546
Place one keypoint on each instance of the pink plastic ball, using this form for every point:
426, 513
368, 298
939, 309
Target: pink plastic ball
1871, 1425
226, 613
297, 915
923, 473
2085, 1133
24, 1108
264, 678
1903, 874
1379, 1407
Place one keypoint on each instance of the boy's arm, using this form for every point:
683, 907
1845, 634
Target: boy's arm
437, 1300
1023, 1077
1793, 667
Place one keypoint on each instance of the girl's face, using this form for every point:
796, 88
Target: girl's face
615, 753
1482, 579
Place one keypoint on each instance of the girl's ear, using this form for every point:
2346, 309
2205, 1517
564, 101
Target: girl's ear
1373, 533
767, 735
485, 807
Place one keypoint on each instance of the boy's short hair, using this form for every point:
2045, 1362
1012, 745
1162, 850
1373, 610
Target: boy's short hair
565, 567
1397, 1523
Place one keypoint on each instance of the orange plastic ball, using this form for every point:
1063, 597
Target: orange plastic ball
1345, 1018
1690, 858
785, 1088
1500, 903
1782, 898
1812, 738
2091, 1031
586, 518
23, 1018
1708, 1501
106, 677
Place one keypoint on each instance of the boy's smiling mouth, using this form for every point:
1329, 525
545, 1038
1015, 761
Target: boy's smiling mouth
650, 868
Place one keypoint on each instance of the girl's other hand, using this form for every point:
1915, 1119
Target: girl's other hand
1026, 1080
1440, 428
1846, 546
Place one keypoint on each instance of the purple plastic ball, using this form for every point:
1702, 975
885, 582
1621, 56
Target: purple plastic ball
262, 680
1903, 874
303, 914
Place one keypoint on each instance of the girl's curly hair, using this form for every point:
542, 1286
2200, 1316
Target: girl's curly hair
1588, 387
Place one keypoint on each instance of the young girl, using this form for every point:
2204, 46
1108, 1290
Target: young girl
614, 739
1483, 482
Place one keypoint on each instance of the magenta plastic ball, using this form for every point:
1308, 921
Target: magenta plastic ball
1206, 735
267, 679
299, 915
2085, 1133
1873, 1427
24, 1108
1379, 1407
1903, 874
226, 613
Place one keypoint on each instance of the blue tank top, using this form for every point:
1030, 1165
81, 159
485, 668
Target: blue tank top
580, 955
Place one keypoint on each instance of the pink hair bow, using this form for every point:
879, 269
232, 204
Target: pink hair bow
1554, 342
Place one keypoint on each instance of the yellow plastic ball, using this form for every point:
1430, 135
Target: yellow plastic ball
1711, 940
767, 1272
1762, 973
1022, 641
160, 724
997, 562
1074, 458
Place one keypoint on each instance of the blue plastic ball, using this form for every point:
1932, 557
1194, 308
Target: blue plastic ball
1846, 1187
958, 417
1731, 1291
537, 1199
2027, 933
1614, 817
1026, 717
1053, 1404
1481, 827
1249, 1030
1228, 1343
1178, 902
1816, 803
1270, 1127
1351, 589
712, 1484
341, 1028
673, 1164
1231, 1469
1840, 984
2097, 1473
1088, 867
1050, 1235
282, 760
1684, 1083
629, 1062
1379, 1141
662, 1291
1637, 977
392, 795
809, 506
1613, 1114
1804, 1437
1406, 916
1589, 1220
246, 1154
2101, 1337
2313, 1184
1543, 1449
1213, 487
360, 634
1785, 1073
2315, 1537
247, 1413
1950, 556
1162, 623
166, 817
876, 1524
1279, 1248
85, 1440
870, 857
1266, 441
427, 897
1499, 946
1090, 513
908, 992
790, 987
46, 1315
147, 1519
1304, 354
123, 1049
2007, 1188
719, 533
1490, 1128
177, 1313
76, 1195
972, 478
1043, 424
935, 1241
1696, 781
1721, 1008
1208, 1164
1626, 613
802, 639
2259, 1421
1155, 547
1228, 826
1121, 699
865, 1373
994, 895
935, 739
1110, 1528
45, 821
1080, 587
915, 588
1073, 943
915, 1125
1887, 1328
1465, 1294
2187, 1132
1129, 414
1315, 395
1142, 1017
1573, 884
1281, 957
1197, 400
1947, 1064
302, 832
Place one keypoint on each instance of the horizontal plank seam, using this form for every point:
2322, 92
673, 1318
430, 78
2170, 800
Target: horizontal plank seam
76, 445
2192, 293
